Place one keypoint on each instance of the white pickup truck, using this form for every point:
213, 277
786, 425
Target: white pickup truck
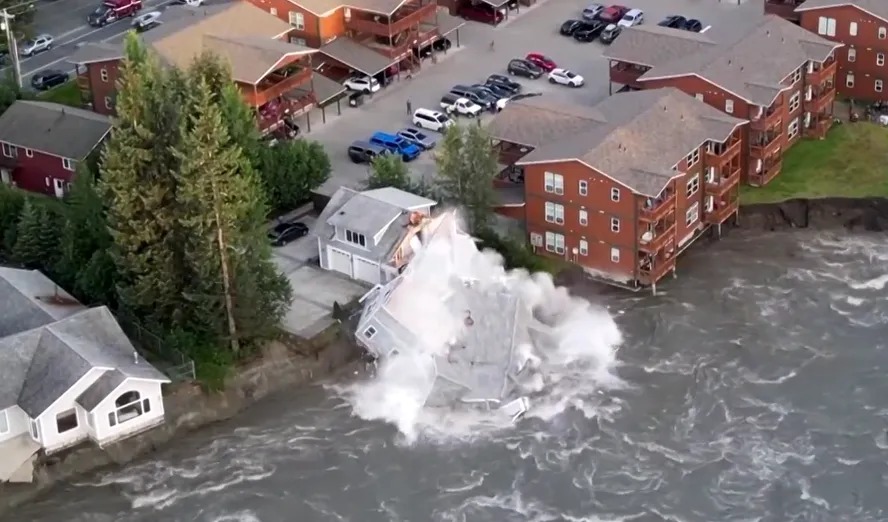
456, 105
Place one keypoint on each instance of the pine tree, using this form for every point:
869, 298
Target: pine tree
389, 170
28, 248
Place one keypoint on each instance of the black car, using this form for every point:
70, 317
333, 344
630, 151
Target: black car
101, 16
484, 100
520, 67
498, 92
695, 26
504, 82
610, 34
365, 152
589, 32
569, 27
287, 231
674, 21
48, 79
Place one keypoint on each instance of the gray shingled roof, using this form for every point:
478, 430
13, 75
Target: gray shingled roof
357, 56
325, 89
320, 7
104, 385
652, 45
399, 198
29, 299
53, 128
878, 8
614, 136
96, 52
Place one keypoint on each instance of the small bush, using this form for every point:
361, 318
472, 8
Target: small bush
516, 253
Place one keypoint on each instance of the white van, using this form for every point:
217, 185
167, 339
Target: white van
431, 120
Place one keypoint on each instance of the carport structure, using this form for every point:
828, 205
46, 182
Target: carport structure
345, 56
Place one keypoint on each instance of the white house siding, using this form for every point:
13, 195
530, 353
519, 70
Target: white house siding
16, 423
339, 261
50, 437
366, 270
106, 434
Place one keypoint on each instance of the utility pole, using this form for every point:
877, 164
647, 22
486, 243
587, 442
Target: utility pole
226, 281
12, 48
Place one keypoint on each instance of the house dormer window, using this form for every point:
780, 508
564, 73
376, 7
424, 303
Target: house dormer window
10, 151
354, 237
68, 164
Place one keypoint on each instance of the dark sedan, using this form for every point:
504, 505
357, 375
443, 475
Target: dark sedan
674, 21
589, 32
503, 82
286, 232
610, 33
694, 26
569, 27
495, 90
48, 79
519, 67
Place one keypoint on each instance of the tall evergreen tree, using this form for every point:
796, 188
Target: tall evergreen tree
36, 244
389, 170
466, 168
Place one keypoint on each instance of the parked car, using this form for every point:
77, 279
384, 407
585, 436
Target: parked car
496, 90
692, 25
364, 84
464, 91
37, 45
396, 144
610, 33
489, 92
543, 62
481, 13
613, 14
591, 13
453, 104
48, 78
674, 21
146, 21
504, 82
589, 32
569, 27
521, 67
565, 77
431, 120
287, 231
364, 152
418, 138
631, 18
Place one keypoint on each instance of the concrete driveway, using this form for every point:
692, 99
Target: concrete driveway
534, 29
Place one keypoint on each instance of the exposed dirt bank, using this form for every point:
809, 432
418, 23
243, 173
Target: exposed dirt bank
868, 214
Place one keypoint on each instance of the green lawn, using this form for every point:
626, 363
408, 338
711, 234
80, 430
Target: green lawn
66, 93
852, 162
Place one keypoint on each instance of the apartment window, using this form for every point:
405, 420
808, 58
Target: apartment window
883, 32
615, 225
793, 128
615, 255
699, 96
554, 183
692, 215
9, 150
729, 106
104, 75
615, 194
852, 29
878, 85
4, 422
369, 332
693, 186
354, 237
68, 164
128, 406
710, 175
693, 158
297, 20
29, 153
108, 102
852, 54
826, 26
584, 188
795, 101
66, 421
554, 213
584, 247
797, 76
554, 242
536, 239
880, 59
273, 11
849, 80
584, 218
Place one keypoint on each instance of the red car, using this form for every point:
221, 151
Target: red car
485, 15
543, 62
613, 14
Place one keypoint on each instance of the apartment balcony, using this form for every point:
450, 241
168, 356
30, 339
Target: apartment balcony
770, 169
822, 99
822, 73
819, 125
771, 117
720, 154
783, 8
720, 184
274, 85
655, 240
765, 144
404, 42
378, 25
721, 211
655, 209
652, 268
626, 73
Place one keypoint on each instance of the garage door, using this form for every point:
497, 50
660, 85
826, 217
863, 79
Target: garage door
366, 271
339, 261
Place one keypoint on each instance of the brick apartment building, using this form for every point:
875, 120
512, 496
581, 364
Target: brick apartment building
776, 75
604, 191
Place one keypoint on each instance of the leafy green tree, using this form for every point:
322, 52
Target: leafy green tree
11, 203
466, 168
291, 170
389, 170
36, 244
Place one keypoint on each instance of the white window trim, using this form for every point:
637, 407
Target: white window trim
849, 80
879, 85
852, 29
355, 236
297, 20
109, 104
273, 11
584, 217
554, 213
880, 59
693, 158
69, 164
693, 186
584, 247
615, 225
852, 54
795, 101
883, 33
793, 128
553, 183
583, 187
615, 194
826, 26
615, 255
103, 74
116, 413
553, 246
369, 332
729, 106
29, 153
693, 214
9, 150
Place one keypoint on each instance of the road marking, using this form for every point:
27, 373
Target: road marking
708, 27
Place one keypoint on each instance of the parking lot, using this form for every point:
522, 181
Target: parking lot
533, 30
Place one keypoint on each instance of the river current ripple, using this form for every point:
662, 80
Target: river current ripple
757, 392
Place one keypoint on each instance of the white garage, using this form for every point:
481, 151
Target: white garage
366, 270
339, 261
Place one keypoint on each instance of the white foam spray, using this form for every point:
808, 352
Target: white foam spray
567, 368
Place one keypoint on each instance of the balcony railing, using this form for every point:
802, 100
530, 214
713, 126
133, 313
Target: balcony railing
655, 240
626, 73
717, 155
721, 211
769, 119
655, 209
765, 144
783, 8
719, 185
770, 170
274, 85
380, 25
652, 268
821, 98
819, 125
822, 72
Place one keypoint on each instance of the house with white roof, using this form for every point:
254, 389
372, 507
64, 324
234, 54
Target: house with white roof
68, 374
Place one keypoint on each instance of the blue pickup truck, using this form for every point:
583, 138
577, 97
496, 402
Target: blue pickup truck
396, 144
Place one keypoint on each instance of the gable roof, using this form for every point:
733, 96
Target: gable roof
53, 128
319, 7
92, 52
877, 8
736, 65
399, 198
614, 136
29, 299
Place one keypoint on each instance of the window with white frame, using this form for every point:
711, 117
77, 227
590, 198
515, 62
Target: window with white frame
273, 11
849, 80
128, 406
615, 225
797, 76
554, 242
693, 158
68, 164
615, 194
852, 54
693, 186
584, 218
877, 85
355, 238
4, 422
29, 153
370, 332
826, 26
795, 101
554, 183
10, 151
584, 247
554, 213
109, 103
699, 96
297, 20
693, 214
880, 59
883, 33
66, 421
103, 74
852, 29
729, 106
793, 128
536, 239
584, 187
615, 255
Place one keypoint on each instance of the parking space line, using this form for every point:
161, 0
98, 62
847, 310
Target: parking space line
708, 27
